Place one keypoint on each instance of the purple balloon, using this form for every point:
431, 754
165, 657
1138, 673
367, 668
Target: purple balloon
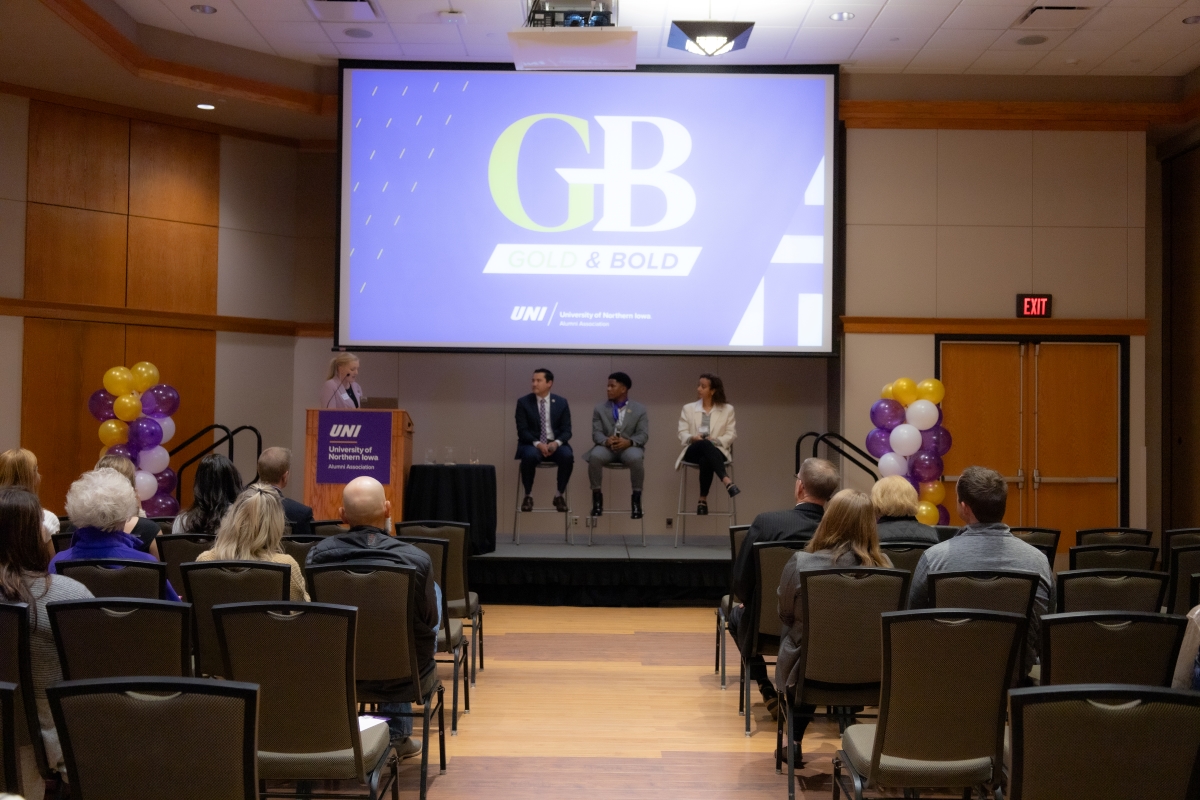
100, 405
887, 414
943, 515
916, 484
144, 433
879, 442
161, 505
935, 440
121, 450
167, 479
160, 401
925, 466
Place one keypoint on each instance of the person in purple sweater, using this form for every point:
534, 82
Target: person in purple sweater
99, 504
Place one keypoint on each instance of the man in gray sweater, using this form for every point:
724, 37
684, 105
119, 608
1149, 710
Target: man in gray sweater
987, 543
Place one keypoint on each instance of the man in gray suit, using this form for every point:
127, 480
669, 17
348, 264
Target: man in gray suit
620, 428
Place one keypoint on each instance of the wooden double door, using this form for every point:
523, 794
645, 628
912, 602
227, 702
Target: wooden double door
1046, 415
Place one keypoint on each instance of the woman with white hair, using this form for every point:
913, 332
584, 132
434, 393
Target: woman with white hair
895, 502
341, 389
99, 504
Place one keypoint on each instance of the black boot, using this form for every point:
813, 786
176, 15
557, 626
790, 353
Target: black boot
597, 504
636, 505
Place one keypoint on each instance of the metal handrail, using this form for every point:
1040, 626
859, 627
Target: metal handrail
227, 440
828, 439
800, 443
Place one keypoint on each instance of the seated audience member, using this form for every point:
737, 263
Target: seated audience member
366, 509
217, 485
19, 467
895, 501
275, 468
543, 431
251, 531
846, 537
138, 526
620, 430
815, 484
1187, 666
23, 579
706, 431
987, 543
99, 504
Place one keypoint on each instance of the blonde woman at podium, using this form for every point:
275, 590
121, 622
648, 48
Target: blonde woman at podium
341, 390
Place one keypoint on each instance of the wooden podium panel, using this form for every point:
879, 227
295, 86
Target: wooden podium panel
326, 498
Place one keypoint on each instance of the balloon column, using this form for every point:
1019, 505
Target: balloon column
909, 440
134, 411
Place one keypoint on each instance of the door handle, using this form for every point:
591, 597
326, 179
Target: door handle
1039, 479
1018, 479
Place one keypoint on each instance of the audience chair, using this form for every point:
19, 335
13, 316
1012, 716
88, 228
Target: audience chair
149, 738
1111, 590
118, 577
616, 466
450, 635
303, 657
945, 532
1185, 561
165, 524
1112, 536
15, 668
1110, 647
1077, 741
1194, 593
62, 540
328, 527
297, 546
1177, 537
1113, 556
211, 583
517, 512
10, 778
682, 512
904, 555
1048, 536
1010, 591
840, 655
737, 535
182, 548
118, 638
946, 673
464, 604
769, 561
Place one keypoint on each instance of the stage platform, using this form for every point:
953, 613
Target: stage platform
614, 571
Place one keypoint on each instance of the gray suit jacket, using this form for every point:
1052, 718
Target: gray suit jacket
635, 427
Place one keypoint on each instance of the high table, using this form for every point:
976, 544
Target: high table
455, 493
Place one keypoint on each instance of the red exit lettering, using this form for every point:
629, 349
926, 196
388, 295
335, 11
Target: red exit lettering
1033, 305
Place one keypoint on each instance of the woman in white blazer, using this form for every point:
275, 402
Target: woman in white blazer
706, 431
341, 390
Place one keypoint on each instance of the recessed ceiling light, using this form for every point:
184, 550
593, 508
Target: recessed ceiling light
358, 33
1190, 20
205, 106
202, 9
1032, 40
842, 16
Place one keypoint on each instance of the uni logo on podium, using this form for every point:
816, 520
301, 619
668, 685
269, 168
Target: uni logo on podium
344, 431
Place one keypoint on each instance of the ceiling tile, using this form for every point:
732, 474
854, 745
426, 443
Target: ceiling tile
1056, 62
701, 9
486, 45
1171, 43
930, 13
1008, 41
1164, 4
943, 61
378, 50
864, 15
1086, 39
1023, 4
867, 60
492, 14
275, 32
763, 12
153, 12
643, 14
649, 37
414, 12
1181, 64
312, 52
1004, 62
950, 39
1111, 18
1127, 62
894, 39
435, 52
279, 10
815, 46
381, 33
428, 33
982, 17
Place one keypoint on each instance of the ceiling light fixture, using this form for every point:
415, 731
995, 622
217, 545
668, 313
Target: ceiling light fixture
1190, 20
202, 9
1030, 40
708, 37
842, 16
358, 33
205, 106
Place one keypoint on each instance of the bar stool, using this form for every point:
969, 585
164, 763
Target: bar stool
517, 512
681, 529
617, 465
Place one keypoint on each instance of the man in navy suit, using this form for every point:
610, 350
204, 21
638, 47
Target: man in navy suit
275, 468
543, 430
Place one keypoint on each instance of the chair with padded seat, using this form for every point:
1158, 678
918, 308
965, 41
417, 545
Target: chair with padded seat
165, 524
946, 674
904, 555
1176, 537
213, 583
328, 527
463, 603
1113, 556
1185, 561
682, 513
10, 779
61, 540
1048, 536
1075, 741
769, 561
298, 545
16, 668
1112, 536
118, 577
181, 548
117, 638
145, 738
737, 535
1110, 647
945, 532
1011, 591
1110, 590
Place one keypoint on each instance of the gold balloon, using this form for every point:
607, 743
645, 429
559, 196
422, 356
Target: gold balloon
933, 492
118, 381
904, 390
931, 389
927, 513
128, 407
145, 375
886, 394
113, 432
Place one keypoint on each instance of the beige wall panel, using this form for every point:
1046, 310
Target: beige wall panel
78, 158
12, 248
14, 146
981, 270
317, 194
255, 274
172, 266
1086, 269
174, 173
253, 374
985, 177
891, 270
1080, 178
310, 358
891, 177
12, 334
313, 280
258, 186
1137, 273
74, 256
1136, 142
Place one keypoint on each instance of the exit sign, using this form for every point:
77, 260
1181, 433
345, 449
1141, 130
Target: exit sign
1034, 305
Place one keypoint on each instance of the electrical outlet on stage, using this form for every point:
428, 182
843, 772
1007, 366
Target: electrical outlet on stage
670, 523
575, 520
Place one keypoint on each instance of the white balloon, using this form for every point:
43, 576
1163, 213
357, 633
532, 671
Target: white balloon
145, 484
156, 459
905, 439
892, 464
168, 426
922, 415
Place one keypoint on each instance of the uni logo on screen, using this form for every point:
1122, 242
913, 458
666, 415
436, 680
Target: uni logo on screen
617, 175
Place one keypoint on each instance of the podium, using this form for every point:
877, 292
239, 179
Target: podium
340, 445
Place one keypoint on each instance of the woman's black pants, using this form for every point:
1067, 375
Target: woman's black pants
711, 461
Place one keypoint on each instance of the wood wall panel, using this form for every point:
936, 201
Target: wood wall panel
78, 158
172, 266
64, 362
75, 256
174, 173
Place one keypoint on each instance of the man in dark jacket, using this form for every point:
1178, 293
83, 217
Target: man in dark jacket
275, 468
816, 482
543, 430
366, 510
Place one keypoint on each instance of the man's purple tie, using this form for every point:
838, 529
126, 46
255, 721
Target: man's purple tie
542, 420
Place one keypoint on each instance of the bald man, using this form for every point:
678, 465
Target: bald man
365, 508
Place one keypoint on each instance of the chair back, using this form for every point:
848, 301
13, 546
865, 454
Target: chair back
737, 536
385, 596
147, 738
118, 577
1110, 647
438, 551
1177, 537
116, 638
946, 673
212, 583
1112, 536
1075, 741
769, 560
945, 532
1111, 590
61, 540
298, 546
10, 780
165, 524
1010, 591
904, 555
180, 548
1113, 556
1194, 592
456, 587
1048, 536
301, 655
15, 668
327, 527
1185, 562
